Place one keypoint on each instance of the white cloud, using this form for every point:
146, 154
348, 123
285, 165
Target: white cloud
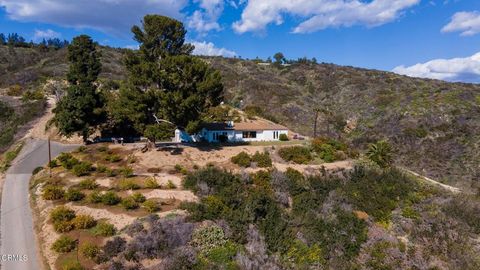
45, 34
320, 14
468, 23
208, 48
456, 69
110, 16
206, 19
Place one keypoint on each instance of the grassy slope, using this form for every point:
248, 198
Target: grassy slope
433, 124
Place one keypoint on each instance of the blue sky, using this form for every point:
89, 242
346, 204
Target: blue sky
426, 38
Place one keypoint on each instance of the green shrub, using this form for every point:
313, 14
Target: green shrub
127, 184
62, 213
129, 203
64, 244
81, 149
381, 153
88, 184
52, 193
104, 229
302, 256
94, 197
138, 197
283, 137
67, 160
74, 195
208, 238
63, 226
113, 158
296, 154
409, 212
53, 164
151, 205
37, 170
72, 265
103, 148
242, 159
110, 198
180, 169
82, 168
263, 160
151, 183
171, 185
111, 172
101, 169
326, 152
84, 222
89, 250
126, 172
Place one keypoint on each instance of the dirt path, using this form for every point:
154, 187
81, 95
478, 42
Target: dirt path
431, 181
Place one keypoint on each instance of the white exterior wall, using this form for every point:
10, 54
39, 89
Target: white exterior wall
237, 135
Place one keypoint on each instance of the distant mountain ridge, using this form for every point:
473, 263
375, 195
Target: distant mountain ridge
434, 125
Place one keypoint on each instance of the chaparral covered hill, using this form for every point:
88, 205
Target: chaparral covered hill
434, 125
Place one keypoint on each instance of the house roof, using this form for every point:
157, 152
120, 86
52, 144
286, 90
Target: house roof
245, 126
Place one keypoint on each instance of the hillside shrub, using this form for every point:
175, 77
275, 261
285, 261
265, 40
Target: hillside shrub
94, 197
126, 172
52, 193
88, 184
74, 195
101, 168
89, 250
329, 149
82, 168
242, 159
379, 193
64, 244
72, 264
62, 213
208, 238
67, 160
296, 154
151, 183
170, 185
129, 203
381, 153
104, 229
84, 222
283, 137
113, 247
263, 160
113, 158
111, 198
127, 184
63, 226
303, 256
151, 206
37, 170
138, 197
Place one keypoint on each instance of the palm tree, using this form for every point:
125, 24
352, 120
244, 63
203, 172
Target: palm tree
381, 153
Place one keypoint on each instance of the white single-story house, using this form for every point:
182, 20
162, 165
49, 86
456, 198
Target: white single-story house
242, 131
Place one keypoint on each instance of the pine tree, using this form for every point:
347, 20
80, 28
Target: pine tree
163, 77
81, 109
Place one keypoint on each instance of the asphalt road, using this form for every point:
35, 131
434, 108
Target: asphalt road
18, 248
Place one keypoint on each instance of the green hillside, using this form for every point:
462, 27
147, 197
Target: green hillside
433, 124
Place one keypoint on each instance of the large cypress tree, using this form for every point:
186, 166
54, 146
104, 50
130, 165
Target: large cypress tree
163, 77
81, 109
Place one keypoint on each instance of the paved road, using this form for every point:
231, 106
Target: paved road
17, 236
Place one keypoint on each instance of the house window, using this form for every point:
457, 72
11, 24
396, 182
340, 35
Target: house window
275, 135
249, 134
